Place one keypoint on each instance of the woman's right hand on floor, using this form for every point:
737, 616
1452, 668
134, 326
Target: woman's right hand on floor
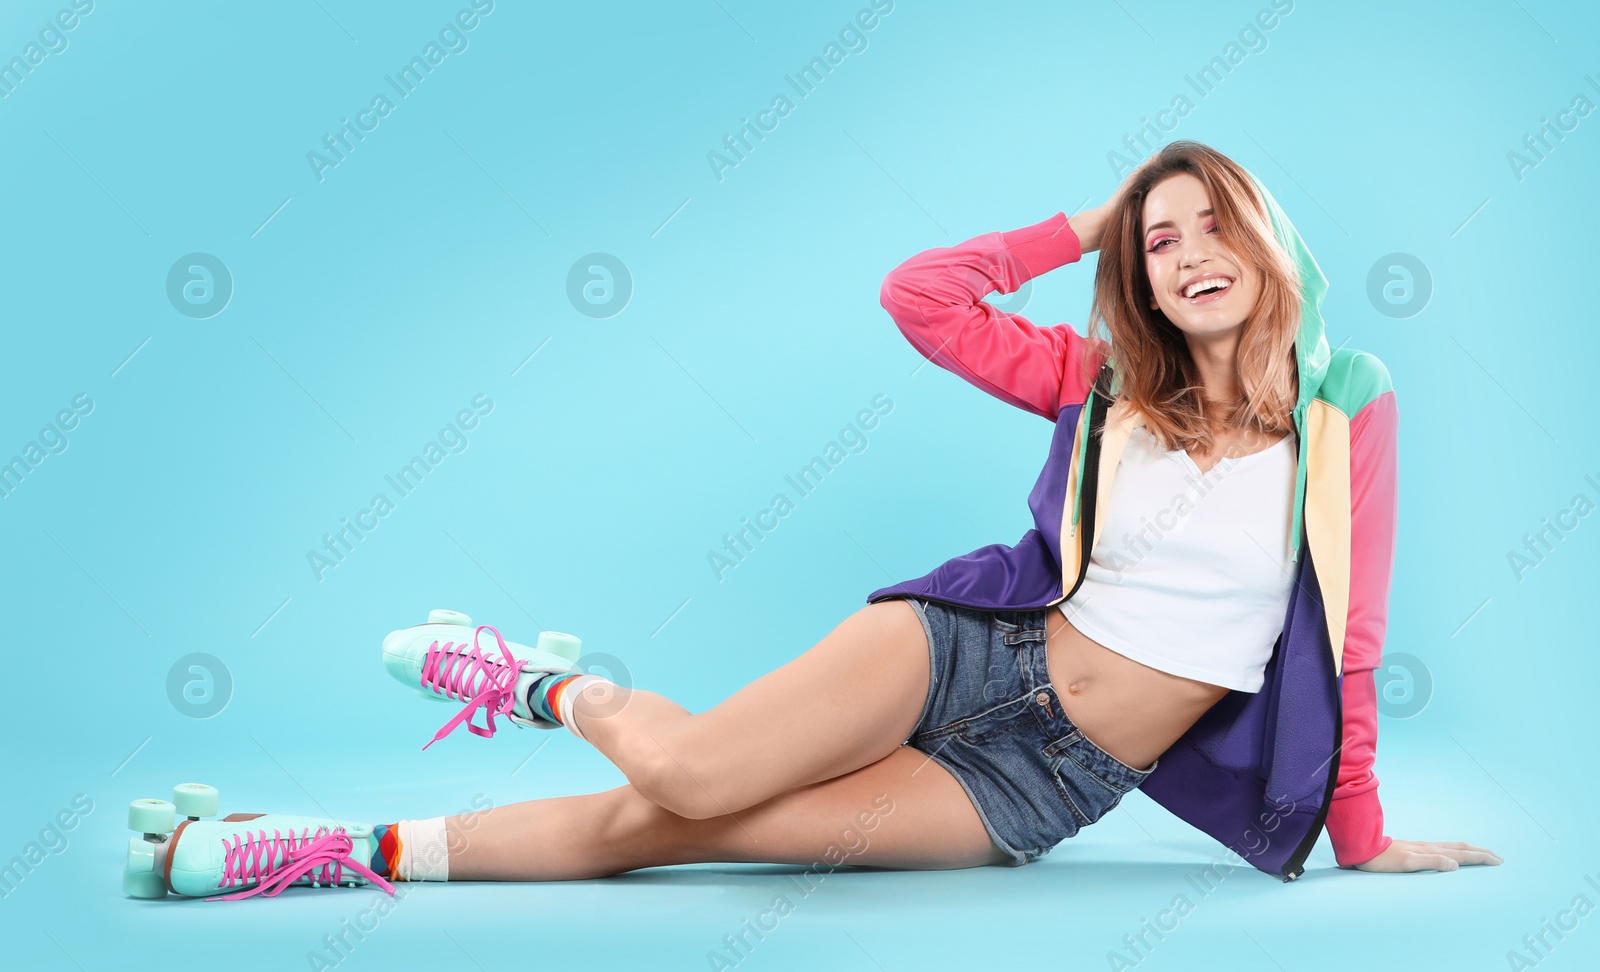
1424, 855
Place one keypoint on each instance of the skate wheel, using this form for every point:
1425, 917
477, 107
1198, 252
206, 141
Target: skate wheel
561, 645
194, 800
443, 616
139, 877
152, 817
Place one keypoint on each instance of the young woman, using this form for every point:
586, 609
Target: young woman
1198, 611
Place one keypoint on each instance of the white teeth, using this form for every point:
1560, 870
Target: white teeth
1219, 283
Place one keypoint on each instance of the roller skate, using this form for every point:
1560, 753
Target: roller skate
440, 661
242, 854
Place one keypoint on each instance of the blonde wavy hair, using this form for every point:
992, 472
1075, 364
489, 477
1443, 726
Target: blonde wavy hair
1148, 354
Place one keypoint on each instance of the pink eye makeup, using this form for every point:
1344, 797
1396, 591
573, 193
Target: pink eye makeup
1155, 244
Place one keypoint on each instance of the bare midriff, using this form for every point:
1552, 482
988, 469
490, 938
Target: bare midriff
1130, 710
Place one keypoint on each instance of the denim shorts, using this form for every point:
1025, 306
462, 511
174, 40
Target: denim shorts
993, 720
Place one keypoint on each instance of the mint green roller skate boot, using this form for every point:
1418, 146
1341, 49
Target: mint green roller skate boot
439, 662
242, 854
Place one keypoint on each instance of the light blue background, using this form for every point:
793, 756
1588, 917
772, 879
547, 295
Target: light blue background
429, 265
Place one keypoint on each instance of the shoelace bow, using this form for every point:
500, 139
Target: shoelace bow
451, 670
276, 862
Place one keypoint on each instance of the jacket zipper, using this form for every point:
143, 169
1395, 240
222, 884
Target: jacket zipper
1090, 486
1295, 865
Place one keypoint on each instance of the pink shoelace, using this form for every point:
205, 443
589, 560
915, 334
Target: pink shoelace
454, 671
274, 863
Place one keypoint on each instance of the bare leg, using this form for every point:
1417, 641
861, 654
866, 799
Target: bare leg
904, 811
846, 703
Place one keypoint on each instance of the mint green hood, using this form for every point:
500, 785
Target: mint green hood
1312, 355
1310, 345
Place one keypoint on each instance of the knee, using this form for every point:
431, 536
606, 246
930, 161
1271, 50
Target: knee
680, 781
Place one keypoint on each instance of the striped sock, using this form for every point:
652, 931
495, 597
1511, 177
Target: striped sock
552, 697
412, 850
386, 859
544, 696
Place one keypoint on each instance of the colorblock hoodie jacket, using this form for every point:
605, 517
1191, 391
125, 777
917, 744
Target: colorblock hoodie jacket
1264, 772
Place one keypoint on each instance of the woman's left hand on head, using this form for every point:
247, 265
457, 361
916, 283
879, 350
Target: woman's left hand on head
1425, 855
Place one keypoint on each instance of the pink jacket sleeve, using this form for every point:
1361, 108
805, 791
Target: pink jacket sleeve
936, 299
1355, 818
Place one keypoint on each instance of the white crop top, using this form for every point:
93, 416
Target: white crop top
1192, 573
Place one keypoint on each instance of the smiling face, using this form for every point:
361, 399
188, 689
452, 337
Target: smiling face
1200, 284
